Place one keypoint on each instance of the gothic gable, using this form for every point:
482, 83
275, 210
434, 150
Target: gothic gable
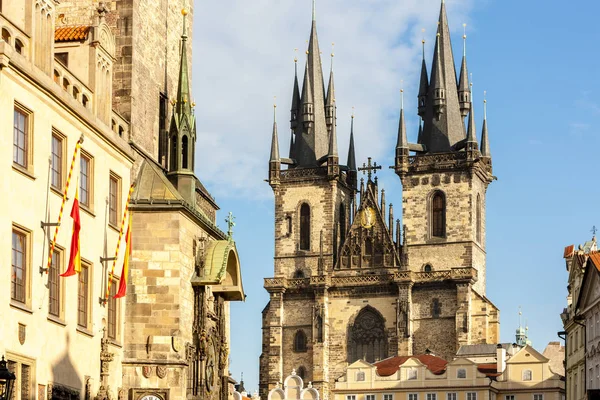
368, 243
590, 287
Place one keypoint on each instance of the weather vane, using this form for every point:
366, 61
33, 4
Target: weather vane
594, 230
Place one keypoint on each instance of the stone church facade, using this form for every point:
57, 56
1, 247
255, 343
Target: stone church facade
350, 282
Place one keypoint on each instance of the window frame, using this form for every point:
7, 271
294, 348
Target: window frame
15, 364
361, 376
388, 396
527, 375
451, 396
471, 396
410, 396
350, 397
89, 204
509, 397
370, 396
538, 396
62, 165
28, 140
431, 396
434, 232
59, 285
300, 334
85, 266
117, 199
26, 267
305, 227
110, 303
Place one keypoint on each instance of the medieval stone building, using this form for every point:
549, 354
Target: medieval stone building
350, 282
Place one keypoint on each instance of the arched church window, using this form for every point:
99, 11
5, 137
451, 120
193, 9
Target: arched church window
184, 152
299, 274
367, 339
305, 227
427, 268
301, 372
173, 154
436, 308
478, 219
300, 342
342, 223
438, 215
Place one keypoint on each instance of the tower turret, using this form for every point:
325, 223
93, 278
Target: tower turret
439, 85
333, 167
308, 116
471, 145
423, 85
464, 91
401, 161
330, 101
352, 171
182, 131
296, 105
274, 159
486, 155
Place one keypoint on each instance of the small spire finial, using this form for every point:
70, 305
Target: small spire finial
423, 42
314, 10
402, 94
274, 108
484, 104
296, 55
352, 112
465, 40
307, 49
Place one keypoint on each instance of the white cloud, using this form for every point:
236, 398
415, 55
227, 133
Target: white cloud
243, 52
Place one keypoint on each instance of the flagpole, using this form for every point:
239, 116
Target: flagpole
112, 272
45, 224
104, 258
62, 207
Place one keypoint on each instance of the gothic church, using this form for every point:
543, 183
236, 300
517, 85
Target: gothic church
350, 282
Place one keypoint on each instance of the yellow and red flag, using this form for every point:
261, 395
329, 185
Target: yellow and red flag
75, 256
123, 281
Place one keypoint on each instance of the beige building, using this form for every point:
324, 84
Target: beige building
351, 282
169, 337
574, 323
526, 375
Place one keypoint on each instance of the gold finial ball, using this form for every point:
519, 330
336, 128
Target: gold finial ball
484, 101
423, 41
438, 34
401, 90
306, 52
332, 54
464, 36
184, 12
193, 104
295, 59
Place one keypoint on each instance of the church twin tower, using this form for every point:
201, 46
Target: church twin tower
350, 282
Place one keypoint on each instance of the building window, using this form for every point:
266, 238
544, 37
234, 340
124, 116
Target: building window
342, 223
114, 193
83, 296
54, 291
85, 180
300, 342
184, 152
23, 370
478, 219
436, 308
20, 259
370, 397
368, 338
461, 373
301, 372
57, 160
388, 396
527, 375
112, 311
450, 396
360, 376
63, 58
19, 46
538, 396
350, 397
427, 268
509, 397
411, 374
305, 227
471, 395
21, 136
299, 274
413, 396
431, 396
6, 35
438, 215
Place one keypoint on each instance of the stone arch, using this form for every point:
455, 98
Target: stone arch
437, 214
276, 394
6, 36
309, 393
106, 39
367, 336
427, 267
19, 46
300, 341
293, 385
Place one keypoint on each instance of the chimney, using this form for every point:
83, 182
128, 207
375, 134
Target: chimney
500, 358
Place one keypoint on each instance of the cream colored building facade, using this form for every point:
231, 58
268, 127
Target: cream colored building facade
64, 69
524, 376
52, 327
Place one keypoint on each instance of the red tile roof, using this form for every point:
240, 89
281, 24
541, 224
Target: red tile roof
569, 251
71, 33
488, 369
389, 366
595, 257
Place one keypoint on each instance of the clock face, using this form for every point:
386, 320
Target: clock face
150, 397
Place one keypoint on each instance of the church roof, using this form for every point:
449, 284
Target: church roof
595, 259
390, 366
71, 33
569, 251
481, 349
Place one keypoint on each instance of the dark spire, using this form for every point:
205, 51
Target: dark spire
420, 134
330, 101
485, 144
352, 171
274, 139
332, 148
296, 104
402, 141
443, 125
471, 135
423, 85
307, 103
464, 92
183, 88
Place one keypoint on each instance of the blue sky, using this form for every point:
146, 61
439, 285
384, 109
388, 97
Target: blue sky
538, 62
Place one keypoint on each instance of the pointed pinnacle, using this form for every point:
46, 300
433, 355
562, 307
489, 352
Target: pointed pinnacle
351, 154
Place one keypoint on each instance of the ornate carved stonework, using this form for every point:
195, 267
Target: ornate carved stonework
147, 371
22, 333
161, 371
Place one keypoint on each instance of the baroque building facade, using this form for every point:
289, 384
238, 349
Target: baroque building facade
84, 74
352, 283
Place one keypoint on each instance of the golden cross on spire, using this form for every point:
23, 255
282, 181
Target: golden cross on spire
465, 40
369, 168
